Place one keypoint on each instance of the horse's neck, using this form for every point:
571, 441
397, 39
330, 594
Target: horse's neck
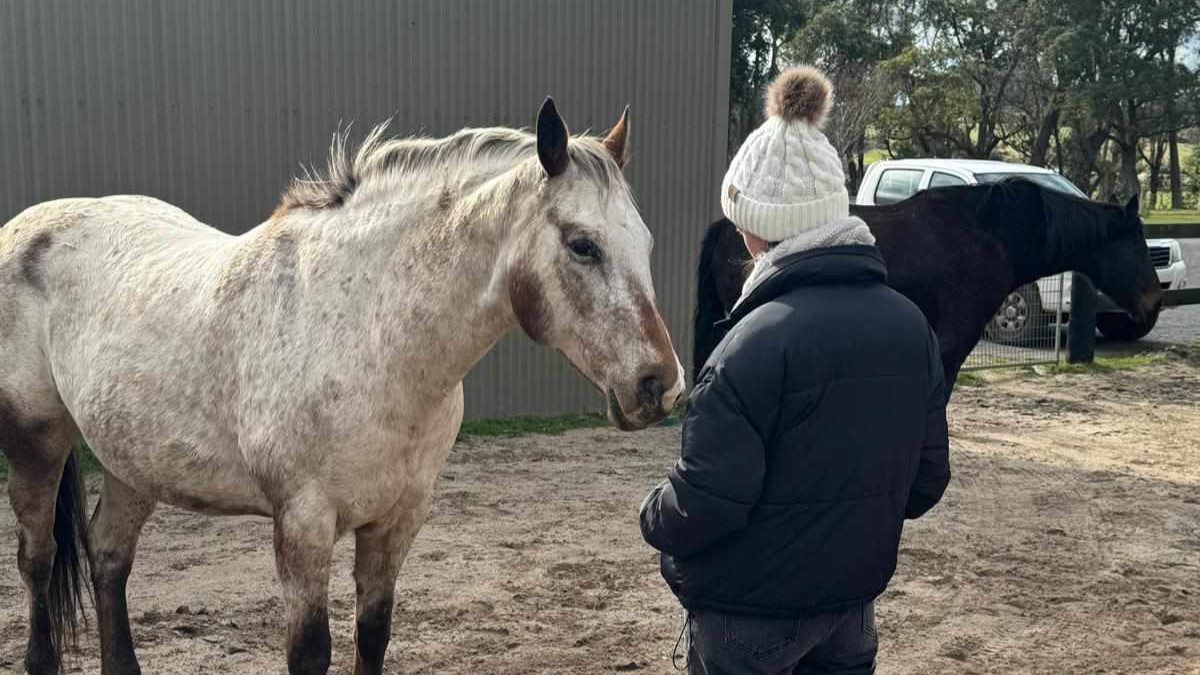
429, 282
1067, 239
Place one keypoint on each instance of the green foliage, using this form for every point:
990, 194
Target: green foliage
1191, 173
760, 29
1090, 87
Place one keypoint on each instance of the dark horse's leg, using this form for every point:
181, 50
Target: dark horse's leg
959, 332
114, 534
379, 551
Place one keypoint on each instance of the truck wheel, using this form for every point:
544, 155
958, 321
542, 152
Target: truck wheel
1021, 319
1120, 327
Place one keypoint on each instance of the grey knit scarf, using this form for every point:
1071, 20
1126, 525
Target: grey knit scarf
847, 231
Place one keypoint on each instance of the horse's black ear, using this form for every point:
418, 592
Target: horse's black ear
552, 139
1131, 208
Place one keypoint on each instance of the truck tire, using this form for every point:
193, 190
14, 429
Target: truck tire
1120, 327
1020, 319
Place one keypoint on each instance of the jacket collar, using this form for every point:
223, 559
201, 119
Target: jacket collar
834, 265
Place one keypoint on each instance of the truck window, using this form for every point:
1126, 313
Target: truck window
896, 185
940, 179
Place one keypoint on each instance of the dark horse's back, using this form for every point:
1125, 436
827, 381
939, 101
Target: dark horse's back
956, 252
929, 256
935, 258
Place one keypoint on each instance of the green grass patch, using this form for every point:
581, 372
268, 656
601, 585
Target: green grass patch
526, 426
1173, 217
1108, 364
970, 380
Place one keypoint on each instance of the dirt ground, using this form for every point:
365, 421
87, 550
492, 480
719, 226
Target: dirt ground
1068, 542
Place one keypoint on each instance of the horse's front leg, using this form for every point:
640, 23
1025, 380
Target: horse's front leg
305, 532
114, 534
379, 552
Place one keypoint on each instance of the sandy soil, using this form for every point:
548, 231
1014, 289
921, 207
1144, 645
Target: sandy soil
1069, 542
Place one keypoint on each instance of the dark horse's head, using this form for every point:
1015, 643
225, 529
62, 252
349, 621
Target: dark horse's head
1104, 241
1120, 264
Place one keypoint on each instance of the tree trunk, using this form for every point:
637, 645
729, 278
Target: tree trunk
1155, 161
1041, 144
1174, 171
1082, 155
1106, 179
1128, 184
1058, 151
1155, 170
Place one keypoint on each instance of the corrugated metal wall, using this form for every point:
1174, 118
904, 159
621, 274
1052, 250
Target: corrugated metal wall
212, 105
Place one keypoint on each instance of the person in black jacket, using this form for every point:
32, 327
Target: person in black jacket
815, 429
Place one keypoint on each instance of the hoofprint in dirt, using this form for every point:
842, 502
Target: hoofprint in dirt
1069, 542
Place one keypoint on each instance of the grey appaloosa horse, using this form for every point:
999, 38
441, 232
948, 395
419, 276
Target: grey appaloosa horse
309, 370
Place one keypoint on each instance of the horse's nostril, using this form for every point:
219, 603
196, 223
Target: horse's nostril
650, 392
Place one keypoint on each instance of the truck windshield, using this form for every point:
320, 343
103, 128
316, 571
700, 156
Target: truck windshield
1048, 180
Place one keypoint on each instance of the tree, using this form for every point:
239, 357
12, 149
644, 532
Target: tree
854, 43
1117, 59
760, 30
1036, 95
983, 47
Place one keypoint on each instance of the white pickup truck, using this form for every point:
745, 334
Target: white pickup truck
891, 181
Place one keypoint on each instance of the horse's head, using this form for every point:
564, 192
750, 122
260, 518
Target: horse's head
578, 273
1121, 268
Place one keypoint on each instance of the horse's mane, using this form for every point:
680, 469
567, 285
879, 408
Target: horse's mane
377, 157
1069, 222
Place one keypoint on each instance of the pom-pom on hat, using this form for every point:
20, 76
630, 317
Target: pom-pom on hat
787, 178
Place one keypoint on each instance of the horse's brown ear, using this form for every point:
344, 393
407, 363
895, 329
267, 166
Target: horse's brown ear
617, 140
1131, 208
552, 139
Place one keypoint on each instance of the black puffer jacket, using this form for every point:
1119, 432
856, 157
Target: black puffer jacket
817, 426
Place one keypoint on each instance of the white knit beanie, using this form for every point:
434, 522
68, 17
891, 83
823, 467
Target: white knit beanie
787, 178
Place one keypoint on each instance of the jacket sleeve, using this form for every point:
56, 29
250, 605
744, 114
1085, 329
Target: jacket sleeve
933, 472
718, 478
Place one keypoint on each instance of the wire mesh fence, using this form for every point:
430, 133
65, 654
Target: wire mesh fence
1027, 330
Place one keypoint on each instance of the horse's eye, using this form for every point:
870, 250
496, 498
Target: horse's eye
585, 248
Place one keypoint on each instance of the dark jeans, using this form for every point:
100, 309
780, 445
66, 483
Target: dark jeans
728, 644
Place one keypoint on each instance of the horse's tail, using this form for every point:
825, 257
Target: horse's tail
709, 310
69, 580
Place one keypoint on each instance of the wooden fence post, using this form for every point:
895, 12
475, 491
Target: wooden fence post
1081, 332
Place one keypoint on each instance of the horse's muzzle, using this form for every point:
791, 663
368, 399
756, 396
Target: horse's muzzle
654, 404
1149, 305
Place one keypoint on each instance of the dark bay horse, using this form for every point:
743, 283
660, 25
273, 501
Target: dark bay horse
957, 252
